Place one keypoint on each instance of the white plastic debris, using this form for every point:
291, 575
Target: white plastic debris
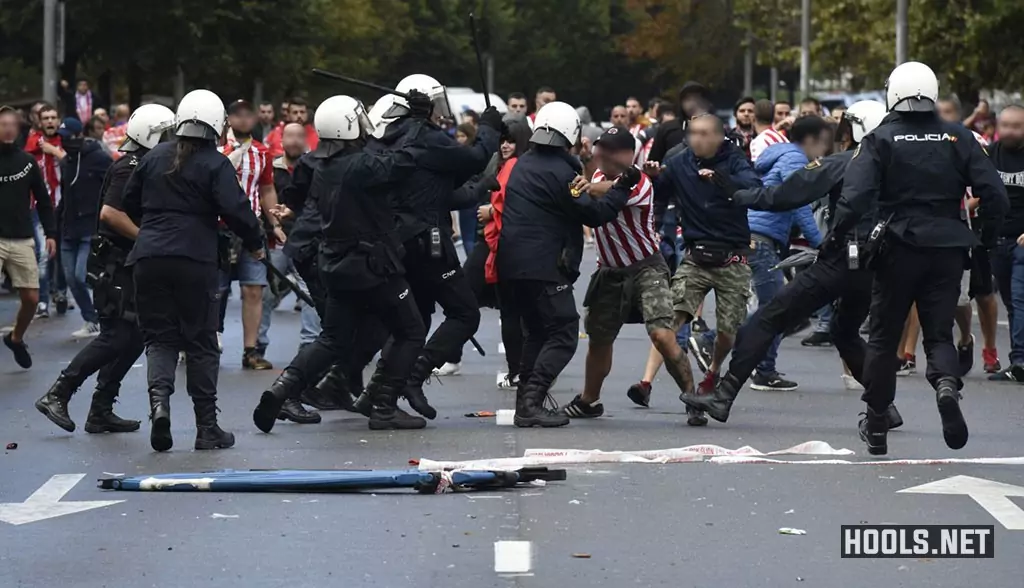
574, 502
513, 557
217, 515
790, 511
538, 483
791, 531
505, 417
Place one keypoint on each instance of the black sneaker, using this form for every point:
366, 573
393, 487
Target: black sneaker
817, 340
640, 394
803, 326
965, 355
772, 382
1014, 373
699, 326
61, 302
20, 351
954, 429
702, 351
577, 409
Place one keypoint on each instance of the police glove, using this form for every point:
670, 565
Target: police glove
490, 183
629, 178
726, 187
491, 118
420, 105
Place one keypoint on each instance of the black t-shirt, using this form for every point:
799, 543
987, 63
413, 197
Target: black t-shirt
1010, 163
113, 190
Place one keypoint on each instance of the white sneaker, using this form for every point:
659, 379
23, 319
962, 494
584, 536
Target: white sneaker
507, 383
220, 342
851, 383
42, 310
6, 330
87, 331
448, 369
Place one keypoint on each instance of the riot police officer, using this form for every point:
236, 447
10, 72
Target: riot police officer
916, 167
178, 191
119, 343
421, 205
833, 275
360, 265
540, 249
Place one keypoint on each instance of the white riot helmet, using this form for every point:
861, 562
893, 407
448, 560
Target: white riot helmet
341, 118
911, 87
556, 124
377, 113
863, 117
200, 115
423, 84
146, 126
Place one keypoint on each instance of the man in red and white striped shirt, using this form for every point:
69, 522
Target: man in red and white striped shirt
256, 176
631, 283
764, 115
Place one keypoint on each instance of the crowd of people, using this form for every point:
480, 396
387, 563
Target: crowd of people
361, 212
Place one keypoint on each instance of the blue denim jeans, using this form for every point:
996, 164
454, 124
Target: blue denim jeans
74, 255
766, 284
43, 258
824, 319
1008, 269
467, 229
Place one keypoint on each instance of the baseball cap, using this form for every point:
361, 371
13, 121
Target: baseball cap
239, 106
617, 139
70, 127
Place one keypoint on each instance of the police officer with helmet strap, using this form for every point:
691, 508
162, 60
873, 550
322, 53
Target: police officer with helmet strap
119, 343
540, 249
833, 276
422, 208
178, 192
915, 167
360, 265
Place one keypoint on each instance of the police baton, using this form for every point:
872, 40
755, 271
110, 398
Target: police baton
334, 76
291, 285
479, 348
479, 63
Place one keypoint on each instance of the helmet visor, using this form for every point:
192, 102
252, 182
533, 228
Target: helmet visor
365, 126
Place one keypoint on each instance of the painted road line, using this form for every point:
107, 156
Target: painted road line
45, 502
990, 495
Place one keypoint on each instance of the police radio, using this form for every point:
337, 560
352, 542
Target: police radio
435, 243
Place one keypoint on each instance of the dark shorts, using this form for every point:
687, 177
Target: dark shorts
981, 273
613, 300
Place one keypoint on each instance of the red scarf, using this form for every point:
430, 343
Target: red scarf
492, 230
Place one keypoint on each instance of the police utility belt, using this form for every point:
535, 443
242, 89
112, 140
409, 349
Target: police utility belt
111, 282
874, 247
707, 254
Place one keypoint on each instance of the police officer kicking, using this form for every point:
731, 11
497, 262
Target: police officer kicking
179, 190
360, 265
835, 274
421, 205
916, 167
540, 250
119, 343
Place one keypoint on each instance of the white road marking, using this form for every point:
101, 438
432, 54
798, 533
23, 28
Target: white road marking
45, 502
990, 495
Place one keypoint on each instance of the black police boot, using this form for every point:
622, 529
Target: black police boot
364, 404
954, 428
873, 430
385, 413
273, 399
209, 435
531, 412
160, 422
893, 417
54, 404
101, 417
718, 403
292, 410
331, 393
413, 391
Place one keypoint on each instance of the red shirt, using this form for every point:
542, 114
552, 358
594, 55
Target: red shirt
492, 230
254, 169
47, 163
274, 138
631, 237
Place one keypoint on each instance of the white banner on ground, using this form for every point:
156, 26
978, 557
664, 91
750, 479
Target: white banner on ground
740, 459
692, 453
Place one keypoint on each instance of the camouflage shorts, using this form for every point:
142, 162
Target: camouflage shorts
731, 284
649, 301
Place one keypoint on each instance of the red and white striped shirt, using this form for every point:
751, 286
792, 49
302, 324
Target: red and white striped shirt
47, 163
763, 139
631, 237
254, 169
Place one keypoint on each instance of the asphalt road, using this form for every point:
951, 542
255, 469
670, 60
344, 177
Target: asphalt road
680, 525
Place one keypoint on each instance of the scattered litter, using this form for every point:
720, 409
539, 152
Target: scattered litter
480, 414
538, 483
136, 366
574, 502
886, 477
902, 569
799, 579
455, 544
513, 557
363, 441
583, 335
113, 474
12, 446
450, 566
311, 501
790, 511
286, 500
791, 531
730, 489
217, 515
581, 555
505, 417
